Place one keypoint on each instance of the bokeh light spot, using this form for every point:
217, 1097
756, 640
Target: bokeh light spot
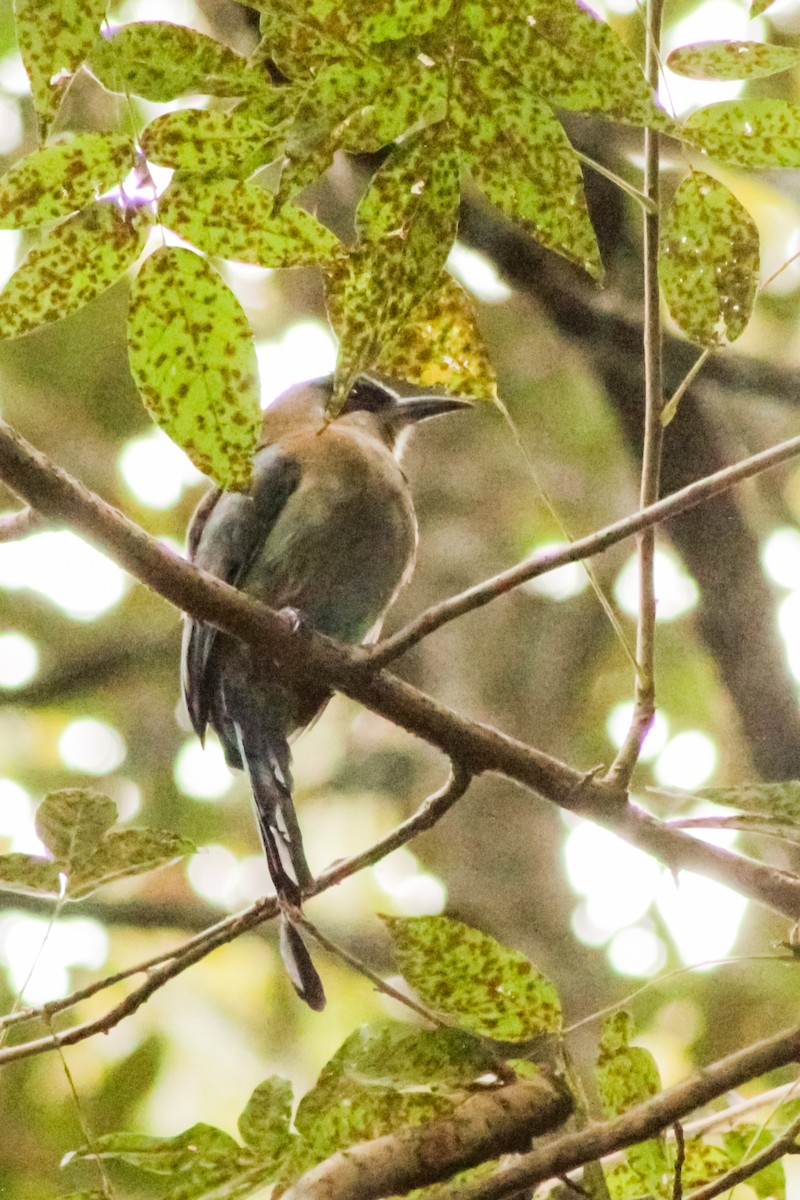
201, 771
91, 746
687, 761
65, 569
19, 660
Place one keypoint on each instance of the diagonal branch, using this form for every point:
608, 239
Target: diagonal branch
594, 543
308, 656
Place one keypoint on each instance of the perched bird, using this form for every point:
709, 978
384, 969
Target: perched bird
327, 529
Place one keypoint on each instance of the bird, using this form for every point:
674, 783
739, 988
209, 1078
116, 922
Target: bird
326, 532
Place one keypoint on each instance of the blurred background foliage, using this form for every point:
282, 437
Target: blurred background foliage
88, 659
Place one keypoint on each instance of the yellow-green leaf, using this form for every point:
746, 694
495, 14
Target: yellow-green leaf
71, 265
125, 852
71, 824
235, 220
376, 20
29, 875
519, 156
757, 7
161, 61
626, 1075
193, 359
212, 140
731, 60
56, 180
748, 133
440, 345
466, 974
264, 1121
708, 261
337, 92
563, 53
407, 223
54, 38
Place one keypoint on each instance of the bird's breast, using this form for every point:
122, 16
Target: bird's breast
345, 541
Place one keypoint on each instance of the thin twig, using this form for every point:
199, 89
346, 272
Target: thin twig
380, 984
16, 525
786, 1143
440, 614
622, 768
680, 1159
161, 969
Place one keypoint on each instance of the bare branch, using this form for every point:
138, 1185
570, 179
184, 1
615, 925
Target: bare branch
15, 525
491, 1123
440, 614
573, 1150
311, 656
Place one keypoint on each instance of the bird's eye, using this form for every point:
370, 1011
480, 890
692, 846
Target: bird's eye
367, 395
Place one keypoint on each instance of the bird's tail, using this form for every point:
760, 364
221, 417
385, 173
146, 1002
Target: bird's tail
265, 755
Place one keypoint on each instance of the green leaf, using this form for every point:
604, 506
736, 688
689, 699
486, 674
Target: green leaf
468, 975
29, 875
626, 1076
376, 20
193, 359
126, 852
72, 823
702, 1163
57, 180
440, 346
161, 61
520, 157
731, 60
212, 140
406, 223
708, 261
748, 133
336, 93
54, 38
264, 1121
418, 98
235, 220
71, 265
295, 42
779, 800
740, 1145
383, 1076
563, 53
202, 1144
757, 7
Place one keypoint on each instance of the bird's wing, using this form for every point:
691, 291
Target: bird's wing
226, 534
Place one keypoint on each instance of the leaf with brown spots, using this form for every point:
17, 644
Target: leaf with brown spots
71, 265
160, 61
55, 181
84, 852
406, 223
627, 1075
467, 975
748, 133
440, 346
54, 38
560, 51
211, 140
731, 60
519, 156
708, 261
193, 359
235, 220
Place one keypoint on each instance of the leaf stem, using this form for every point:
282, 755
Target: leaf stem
622, 768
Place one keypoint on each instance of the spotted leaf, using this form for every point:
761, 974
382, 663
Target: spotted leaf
467, 975
54, 38
748, 133
55, 181
708, 261
731, 60
519, 156
212, 140
71, 265
440, 346
161, 61
193, 359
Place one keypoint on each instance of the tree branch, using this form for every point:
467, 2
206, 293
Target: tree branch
646, 1120
440, 614
491, 1123
311, 656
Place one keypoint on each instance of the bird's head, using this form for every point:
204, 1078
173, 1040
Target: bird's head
372, 406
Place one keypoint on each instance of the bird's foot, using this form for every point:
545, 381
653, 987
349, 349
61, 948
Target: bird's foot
297, 621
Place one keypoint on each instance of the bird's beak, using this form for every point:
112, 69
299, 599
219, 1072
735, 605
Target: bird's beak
411, 409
